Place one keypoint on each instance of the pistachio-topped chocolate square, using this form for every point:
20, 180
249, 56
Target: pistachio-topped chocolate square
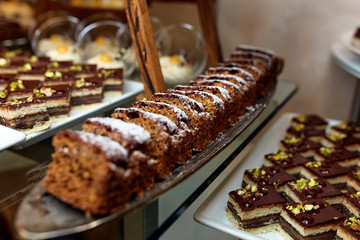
303, 189
300, 145
291, 162
341, 140
348, 128
273, 176
338, 155
253, 196
312, 212
312, 120
300, 130
326, 169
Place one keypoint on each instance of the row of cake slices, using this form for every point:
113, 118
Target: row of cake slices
307, 188
36, 92
176, 124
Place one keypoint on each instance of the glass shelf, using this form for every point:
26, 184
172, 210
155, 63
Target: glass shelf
21, 169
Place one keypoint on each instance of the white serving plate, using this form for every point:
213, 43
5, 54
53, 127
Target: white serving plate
130, 89
211, 212
10, 137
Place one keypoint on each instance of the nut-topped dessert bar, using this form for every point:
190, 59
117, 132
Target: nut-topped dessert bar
349, 229
311, 219
254, 209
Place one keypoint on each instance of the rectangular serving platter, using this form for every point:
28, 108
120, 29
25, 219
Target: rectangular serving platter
130, 89
211, 212
41, 216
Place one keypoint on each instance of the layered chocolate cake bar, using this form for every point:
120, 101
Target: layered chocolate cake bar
254, 209
112, 78
291, 162
26, 115
299, 130
332, 172
6, 67
28, 72
352, 203
348, 128
273, 176
353, 180
304, 189
311, 219
311, 120
57, 99
86, 91
341, 140
303, 146
349, 229
340, 156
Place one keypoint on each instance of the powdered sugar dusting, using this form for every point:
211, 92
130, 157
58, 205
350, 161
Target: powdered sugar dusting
180, 114
192, 102
112, 149
225, 77
127, 130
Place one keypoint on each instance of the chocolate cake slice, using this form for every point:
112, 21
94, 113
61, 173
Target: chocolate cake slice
312, 120
303, 146
348, 128
309, 220
53, 78
27, 115
332, 172
341, 140
349, 229
291, 162
254, 209
305, 189
299, 130
57, 100
86, 91
273, 176
112, 78
339, 155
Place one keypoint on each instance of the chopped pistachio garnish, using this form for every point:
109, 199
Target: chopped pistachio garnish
325, 151
54, 64
18, 102
253, 188
249, 190
299, 127
106, 73
4, 62
43, 91
3, 94
353, 223
292, 140
76, 68
33, 58
81, 83
302, 208
26, 67
336, 136
256, 172
301, 183
302, 118
16, 85
263, 172
58, 74
279, 156
342, 125
313, 164
356, 195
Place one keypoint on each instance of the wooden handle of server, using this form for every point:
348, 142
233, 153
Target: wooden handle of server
144, 43
209, 29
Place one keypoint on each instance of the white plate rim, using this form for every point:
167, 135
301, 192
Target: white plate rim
346, 41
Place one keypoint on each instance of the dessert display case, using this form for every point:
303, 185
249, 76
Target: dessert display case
145, 218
